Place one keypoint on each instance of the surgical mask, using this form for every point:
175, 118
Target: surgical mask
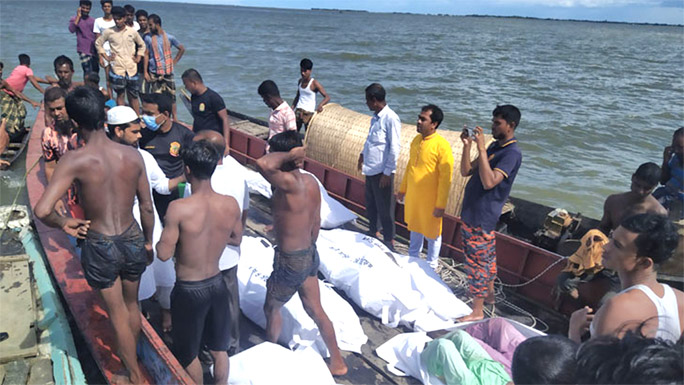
150, 122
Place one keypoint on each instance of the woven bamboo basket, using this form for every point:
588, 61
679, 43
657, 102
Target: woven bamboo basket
336, 136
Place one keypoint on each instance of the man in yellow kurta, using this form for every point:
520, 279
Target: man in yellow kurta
426, 184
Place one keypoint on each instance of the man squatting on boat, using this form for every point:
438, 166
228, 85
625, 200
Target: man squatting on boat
115, 251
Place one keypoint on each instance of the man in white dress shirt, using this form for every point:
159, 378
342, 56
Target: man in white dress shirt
124, 128
228, 179
378, 162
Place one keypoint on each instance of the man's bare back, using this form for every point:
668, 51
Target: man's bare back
296, 212
203, 225
620, 206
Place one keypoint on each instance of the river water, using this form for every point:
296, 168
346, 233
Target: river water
597, 99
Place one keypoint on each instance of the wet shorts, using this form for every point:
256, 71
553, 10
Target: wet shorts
130, 84
303, 116
290, 270
479, 247
106, 257
199, 313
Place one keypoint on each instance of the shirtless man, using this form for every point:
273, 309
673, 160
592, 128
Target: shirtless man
636, 201
201, 225
637, 247
296, 218
114, 252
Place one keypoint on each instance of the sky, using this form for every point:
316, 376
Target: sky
640, 11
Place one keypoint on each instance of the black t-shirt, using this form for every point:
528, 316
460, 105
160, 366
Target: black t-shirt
205, 110
166, 147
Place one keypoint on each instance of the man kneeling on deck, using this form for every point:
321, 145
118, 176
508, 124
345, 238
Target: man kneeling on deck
202, 225
114, 252
297, 219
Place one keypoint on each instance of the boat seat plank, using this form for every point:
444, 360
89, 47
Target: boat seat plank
19, 313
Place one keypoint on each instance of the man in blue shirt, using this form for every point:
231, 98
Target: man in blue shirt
493, 173
378, 162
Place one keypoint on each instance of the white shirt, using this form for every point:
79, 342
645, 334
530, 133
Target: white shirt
383, 144
160, 183
229, 179
100, 25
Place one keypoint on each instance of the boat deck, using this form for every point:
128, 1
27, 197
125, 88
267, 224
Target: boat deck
367, 367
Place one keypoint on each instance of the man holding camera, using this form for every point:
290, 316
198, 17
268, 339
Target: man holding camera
493, 173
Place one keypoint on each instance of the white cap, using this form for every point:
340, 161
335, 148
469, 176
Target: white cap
121, 115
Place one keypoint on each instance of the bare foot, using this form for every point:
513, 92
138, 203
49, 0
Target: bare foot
268, 228
574, 293
118, 379
338, 368
166, 320
472, 317
4, 164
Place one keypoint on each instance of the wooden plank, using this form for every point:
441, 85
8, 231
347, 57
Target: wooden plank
18, 308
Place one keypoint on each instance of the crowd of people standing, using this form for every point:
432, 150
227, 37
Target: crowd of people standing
124, 202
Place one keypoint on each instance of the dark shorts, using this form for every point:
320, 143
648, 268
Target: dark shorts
479, 247
106, 257
199, 313
290, 270
130, 84
89, 63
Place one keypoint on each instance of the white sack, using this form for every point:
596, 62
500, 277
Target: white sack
395, 288
333, 213
268, 363
298, 331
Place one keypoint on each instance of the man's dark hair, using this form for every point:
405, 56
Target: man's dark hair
103, 2
129, 9
375, 91
436, 114
201, 157
86, 2
163, 101
2, 65
86, 107
92, 77
192, 74
657, 237
306, 64
285, 141
54, 93
62, 60
509, 113
268, 88
648, 173
118, 12
679, 131
140, 12
155, 18
633, 359
24, 59
545, 360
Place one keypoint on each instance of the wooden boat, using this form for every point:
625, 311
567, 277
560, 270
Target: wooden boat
525, 269
38, 346
15, 149
159, 365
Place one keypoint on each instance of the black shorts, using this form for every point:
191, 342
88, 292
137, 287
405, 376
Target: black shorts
199, 313
106, 257
290, 270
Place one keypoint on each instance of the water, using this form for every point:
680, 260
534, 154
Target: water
597, 100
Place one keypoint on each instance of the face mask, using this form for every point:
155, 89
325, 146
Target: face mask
150, 122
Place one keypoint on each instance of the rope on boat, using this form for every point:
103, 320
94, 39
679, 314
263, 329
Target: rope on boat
454, 278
